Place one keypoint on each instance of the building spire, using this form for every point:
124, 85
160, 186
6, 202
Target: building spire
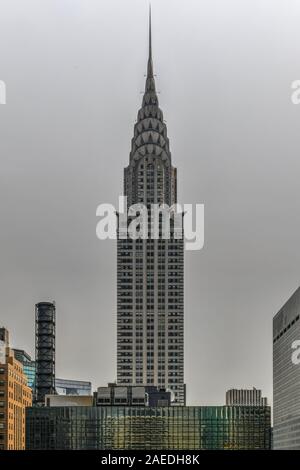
150, 96
150, 63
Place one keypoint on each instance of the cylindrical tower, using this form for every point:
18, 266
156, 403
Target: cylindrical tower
44, 350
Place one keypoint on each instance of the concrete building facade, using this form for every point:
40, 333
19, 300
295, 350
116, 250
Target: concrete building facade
150, 274
45, 321
286, 375
245, 397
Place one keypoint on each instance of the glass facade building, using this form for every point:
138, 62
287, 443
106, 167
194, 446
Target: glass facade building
72, 387
146, 428
15, 396
62, 386
286, 376
150, 274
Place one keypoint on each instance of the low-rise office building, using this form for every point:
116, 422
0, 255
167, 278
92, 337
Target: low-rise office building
132, 395
286, 375
69, 400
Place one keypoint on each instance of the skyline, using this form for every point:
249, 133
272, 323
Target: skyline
218, 367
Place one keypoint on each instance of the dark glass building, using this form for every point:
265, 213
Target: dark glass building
167, 428
73, 387
286, 376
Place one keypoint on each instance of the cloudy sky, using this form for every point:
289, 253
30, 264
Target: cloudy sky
74, 71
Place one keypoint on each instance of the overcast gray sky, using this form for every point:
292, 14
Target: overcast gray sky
74, 70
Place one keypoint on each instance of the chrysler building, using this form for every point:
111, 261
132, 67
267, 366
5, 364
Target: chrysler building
150, 277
